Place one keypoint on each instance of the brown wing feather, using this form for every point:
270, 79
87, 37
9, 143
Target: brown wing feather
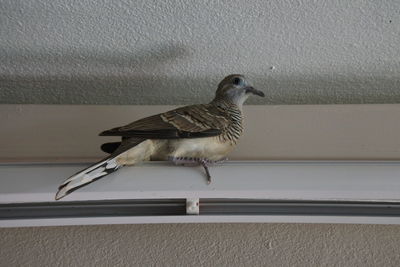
186, 122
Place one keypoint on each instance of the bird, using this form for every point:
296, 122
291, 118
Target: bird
201, 134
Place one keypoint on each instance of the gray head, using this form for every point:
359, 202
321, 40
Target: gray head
235, 89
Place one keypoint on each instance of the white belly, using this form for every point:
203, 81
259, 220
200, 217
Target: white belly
210, 148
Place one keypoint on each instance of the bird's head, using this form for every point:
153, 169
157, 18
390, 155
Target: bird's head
235, 89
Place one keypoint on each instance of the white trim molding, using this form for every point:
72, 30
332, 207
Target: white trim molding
274, 191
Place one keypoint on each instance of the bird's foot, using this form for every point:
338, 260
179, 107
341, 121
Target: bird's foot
189, 161
185, 161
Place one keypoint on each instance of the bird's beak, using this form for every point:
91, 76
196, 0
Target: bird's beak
251, 89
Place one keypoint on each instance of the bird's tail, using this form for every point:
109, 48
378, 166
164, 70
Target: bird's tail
87, 176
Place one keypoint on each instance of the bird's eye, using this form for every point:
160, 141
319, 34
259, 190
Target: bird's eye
237, 81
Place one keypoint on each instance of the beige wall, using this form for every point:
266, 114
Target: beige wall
202, 245
69, 132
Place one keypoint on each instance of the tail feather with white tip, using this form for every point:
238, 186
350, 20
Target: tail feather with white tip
87, 176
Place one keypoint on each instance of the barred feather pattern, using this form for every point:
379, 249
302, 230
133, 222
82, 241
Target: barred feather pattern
196, 118
234, 128
219, 114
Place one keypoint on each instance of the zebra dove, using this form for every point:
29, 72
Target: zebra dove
197, 134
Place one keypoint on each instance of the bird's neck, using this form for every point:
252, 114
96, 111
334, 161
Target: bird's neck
226, 104
234, 114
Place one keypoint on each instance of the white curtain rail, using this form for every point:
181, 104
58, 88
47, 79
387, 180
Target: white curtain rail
241, 191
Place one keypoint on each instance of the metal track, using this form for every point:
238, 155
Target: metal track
81, 209
168, 207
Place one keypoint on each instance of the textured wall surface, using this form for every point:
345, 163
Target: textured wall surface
202, 245
174, 52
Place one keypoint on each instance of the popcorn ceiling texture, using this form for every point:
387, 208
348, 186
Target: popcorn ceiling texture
202, 245
175, 52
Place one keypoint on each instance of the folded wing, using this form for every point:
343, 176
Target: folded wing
188, 122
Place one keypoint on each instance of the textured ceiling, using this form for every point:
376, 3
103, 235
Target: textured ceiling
174, 52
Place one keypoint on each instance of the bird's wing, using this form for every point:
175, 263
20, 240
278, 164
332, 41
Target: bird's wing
186, 122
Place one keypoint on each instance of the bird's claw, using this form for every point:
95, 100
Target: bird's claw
204, 164
190, 161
